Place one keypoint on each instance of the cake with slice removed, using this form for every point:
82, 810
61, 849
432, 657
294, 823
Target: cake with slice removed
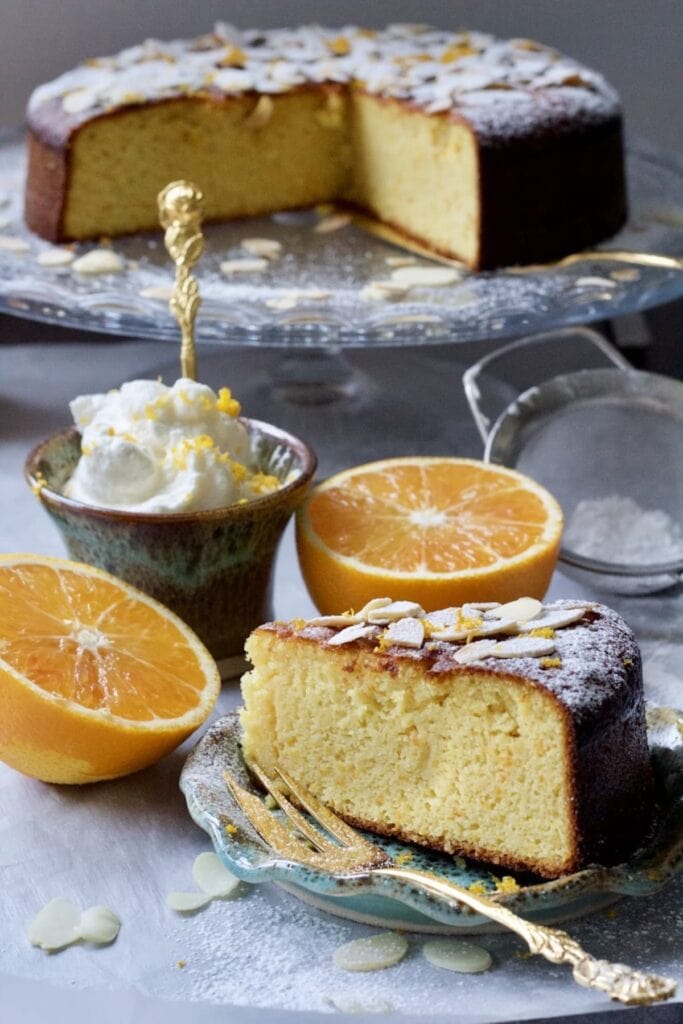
513, 734
490, 151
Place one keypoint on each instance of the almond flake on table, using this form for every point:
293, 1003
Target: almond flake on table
425, 277
98, 261
61, 924
374, 953
11, 244
187, 902
456, 955
244, 266
99, 925
212, 876
55, 257
268, 248
333, 223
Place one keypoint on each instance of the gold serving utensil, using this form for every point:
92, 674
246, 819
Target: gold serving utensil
180, 213
328, 844
641, 259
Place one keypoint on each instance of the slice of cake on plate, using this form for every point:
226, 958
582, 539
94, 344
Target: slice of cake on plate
513, 734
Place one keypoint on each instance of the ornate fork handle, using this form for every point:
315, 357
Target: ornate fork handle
635, 988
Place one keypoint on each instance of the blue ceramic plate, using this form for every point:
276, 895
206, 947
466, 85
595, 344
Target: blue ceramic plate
393, 903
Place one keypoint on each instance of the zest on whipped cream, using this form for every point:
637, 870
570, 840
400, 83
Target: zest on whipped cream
146, 447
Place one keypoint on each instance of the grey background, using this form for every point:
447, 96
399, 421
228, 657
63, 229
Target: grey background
638, 44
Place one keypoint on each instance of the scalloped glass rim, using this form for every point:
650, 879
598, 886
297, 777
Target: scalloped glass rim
395, 903
478, 307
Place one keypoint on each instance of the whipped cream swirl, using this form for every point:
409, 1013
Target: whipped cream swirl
151, 448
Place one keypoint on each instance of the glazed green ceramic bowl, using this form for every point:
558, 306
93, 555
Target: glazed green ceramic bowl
213, 568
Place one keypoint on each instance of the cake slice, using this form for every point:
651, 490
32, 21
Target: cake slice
513, 734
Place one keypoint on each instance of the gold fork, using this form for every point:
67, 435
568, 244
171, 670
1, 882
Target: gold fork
349, 854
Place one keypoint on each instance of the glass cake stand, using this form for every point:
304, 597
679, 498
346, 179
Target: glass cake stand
293, 329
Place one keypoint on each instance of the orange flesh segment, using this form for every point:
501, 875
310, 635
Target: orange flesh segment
116, 653
431, 518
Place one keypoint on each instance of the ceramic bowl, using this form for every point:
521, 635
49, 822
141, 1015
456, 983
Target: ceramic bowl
213, 568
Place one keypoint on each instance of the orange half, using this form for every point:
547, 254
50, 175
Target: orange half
96, 678
440, 531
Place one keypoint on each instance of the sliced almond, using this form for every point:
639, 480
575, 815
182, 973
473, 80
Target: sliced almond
11, 244
261, 114
186, 902
98, 261
400, 261
442, 618
55, 257
351, 633
163, 292
393, 611
55, 926
212, 876
372, 605
425, 277
335, 621
524, 647
78, 100
483, 628
521, 610
99, 925
333, 223
456, 955
268, 248
383, 291
408, 632
373, 953
475, 651
554, 619
243, 266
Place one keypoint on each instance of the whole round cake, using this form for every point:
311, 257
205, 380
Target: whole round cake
493, 152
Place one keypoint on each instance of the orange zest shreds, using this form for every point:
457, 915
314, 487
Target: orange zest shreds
227, 404
550, 662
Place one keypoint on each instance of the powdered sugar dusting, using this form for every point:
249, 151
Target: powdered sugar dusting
503, 87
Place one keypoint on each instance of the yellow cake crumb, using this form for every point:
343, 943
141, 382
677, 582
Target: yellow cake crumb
545, 632
550, 662
403, 858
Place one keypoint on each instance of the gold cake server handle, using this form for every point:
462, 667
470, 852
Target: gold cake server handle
303, 841
181, 206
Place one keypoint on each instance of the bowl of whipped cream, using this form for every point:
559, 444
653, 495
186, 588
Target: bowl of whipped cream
171, 489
